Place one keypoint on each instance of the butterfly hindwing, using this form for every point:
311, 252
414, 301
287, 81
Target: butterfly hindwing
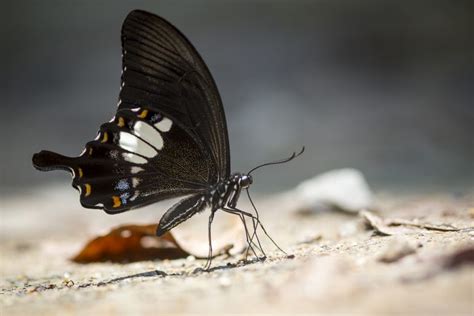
138, 158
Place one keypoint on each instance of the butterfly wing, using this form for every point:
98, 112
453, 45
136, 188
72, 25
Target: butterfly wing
138, 158
168, 137
162, 69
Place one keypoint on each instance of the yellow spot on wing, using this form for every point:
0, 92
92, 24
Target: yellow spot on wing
143, 114
88, 189
80, 173
105, 138
117, 201
90, 151
121, 122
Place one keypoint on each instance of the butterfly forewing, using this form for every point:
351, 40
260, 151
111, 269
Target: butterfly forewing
162, 69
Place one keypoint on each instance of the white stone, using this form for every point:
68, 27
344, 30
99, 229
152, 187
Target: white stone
345, 189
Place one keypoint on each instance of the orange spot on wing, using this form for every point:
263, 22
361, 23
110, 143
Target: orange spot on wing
121, 122
88, 189
143, 114
117, 201
80, 173
105, 137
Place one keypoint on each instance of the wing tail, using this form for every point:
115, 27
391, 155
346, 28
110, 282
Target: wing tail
48, 160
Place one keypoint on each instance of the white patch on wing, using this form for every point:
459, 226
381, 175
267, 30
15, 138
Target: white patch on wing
164, 125
134, 158
134, 144
135, 182
137, 193
148, 133
136, 169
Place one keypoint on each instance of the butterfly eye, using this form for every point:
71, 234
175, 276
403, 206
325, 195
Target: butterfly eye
246, 181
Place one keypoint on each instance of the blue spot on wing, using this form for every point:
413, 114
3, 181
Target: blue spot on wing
124, 197
122, 185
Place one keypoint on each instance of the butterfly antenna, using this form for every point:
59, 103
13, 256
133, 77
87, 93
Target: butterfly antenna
293, 156
260, 223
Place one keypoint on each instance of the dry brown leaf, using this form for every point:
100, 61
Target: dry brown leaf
378, 224
398, 226
130, 243
416, 223
463, 256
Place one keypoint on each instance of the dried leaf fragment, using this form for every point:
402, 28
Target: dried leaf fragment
397, 226
130, 243
416, 223
460, 257
377, 224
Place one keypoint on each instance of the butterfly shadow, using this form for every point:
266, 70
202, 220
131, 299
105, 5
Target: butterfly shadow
197, 271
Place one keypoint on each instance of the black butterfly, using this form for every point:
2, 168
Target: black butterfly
168, 138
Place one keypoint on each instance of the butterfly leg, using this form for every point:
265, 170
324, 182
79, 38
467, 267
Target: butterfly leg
250, 239
247, 234
254, 234
263, 228
257, 217
255, 226
207, 266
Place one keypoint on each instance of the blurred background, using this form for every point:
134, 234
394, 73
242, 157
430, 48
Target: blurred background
382, 86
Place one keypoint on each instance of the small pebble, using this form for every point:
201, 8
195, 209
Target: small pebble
68, 283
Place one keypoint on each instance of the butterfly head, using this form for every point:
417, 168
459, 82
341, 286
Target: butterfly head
242, 180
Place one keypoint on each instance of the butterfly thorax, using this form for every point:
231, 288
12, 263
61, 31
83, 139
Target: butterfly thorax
226, 193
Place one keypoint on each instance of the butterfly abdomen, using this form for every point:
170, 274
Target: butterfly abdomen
48, 160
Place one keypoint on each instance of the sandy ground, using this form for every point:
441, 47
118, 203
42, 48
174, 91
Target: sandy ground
339, 266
